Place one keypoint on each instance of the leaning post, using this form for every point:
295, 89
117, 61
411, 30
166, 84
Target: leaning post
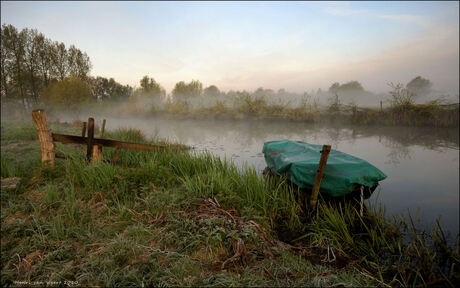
319, 175
44, 136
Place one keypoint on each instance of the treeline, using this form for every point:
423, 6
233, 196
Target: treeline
36, 69
30, 62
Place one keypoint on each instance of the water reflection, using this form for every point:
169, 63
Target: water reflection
422, 164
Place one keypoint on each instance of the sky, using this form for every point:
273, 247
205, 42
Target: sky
299, 46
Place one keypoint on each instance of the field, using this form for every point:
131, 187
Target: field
189, 219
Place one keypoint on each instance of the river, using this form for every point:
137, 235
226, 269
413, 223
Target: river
422, 164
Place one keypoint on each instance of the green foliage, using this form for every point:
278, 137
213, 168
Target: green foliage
108, 89
211, 91
352, 86
30, 62
150, 87
401, 97
187, 90
68, 93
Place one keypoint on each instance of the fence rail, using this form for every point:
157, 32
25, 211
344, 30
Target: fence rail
94, 145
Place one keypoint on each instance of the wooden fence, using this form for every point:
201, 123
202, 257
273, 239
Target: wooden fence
94, 145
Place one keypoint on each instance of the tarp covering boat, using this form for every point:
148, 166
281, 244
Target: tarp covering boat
299, 162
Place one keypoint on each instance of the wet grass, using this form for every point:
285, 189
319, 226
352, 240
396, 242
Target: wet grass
180, 218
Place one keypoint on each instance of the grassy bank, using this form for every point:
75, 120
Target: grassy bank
181, 219
433, 113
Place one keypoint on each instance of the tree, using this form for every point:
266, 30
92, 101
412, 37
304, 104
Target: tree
419, 86
67, 93
281, 91
104, 89
60, 60
78, 63
44, 58
334, 87
30, 62
187, 90
151, 87
211, 91
352, 86
17, 42
6, 61
402, 98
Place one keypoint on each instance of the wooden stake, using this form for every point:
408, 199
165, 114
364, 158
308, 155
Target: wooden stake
97, 154
89, 141
103, 128
83, 132
319, 175
44, 136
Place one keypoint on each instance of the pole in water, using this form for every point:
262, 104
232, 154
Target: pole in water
319, 175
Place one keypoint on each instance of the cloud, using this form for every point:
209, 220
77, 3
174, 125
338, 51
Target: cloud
349, 11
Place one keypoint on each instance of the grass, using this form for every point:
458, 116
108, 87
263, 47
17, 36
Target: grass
179, 218
401, 111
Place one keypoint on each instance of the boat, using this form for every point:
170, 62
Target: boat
344, 174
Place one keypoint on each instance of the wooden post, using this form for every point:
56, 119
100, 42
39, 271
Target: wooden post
319, 175
116, 155
83, 131
89, 141
44, 136
98, 154
103, 128
381, 108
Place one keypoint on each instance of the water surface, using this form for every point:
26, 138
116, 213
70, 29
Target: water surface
422, 164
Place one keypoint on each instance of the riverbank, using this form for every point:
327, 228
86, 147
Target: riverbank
180, 218
430, 114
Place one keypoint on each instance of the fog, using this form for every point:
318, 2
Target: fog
403, 153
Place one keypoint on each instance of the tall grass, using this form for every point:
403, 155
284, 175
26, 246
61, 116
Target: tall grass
139, 222
394, 249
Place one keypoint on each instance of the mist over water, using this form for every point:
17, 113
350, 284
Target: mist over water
422, 163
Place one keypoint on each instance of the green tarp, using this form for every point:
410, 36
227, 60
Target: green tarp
299, 162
